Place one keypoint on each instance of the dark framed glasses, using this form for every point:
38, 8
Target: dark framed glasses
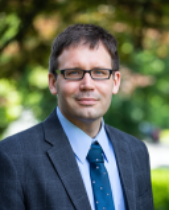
78, 74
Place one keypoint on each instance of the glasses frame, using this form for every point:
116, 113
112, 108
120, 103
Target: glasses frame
62, 71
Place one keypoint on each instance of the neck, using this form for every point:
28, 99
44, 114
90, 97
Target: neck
90, 127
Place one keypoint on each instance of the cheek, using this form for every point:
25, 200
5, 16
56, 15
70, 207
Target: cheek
105, 89
66, 90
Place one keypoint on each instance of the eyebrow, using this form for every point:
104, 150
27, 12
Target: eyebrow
79, 68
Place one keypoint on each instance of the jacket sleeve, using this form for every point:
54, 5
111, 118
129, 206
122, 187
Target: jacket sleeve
11, 194
148, 194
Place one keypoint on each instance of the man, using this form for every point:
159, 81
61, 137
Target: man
73, 160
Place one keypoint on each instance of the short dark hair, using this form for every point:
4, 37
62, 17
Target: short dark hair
90, 34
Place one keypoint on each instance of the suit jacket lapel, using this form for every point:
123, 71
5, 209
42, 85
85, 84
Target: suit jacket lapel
63, 159
124, 162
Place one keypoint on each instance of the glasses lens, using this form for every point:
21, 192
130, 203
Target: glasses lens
73, 74
100, 74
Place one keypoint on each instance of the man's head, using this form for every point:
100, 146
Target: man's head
87, 98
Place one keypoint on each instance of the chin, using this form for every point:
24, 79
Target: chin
89, 116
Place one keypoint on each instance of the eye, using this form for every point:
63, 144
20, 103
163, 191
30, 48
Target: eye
73, 72
100, 72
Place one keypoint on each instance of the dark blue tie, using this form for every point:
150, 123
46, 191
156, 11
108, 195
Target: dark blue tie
99, 179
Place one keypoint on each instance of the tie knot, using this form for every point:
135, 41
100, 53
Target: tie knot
95, 154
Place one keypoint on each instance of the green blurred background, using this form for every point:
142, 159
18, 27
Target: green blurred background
27, 29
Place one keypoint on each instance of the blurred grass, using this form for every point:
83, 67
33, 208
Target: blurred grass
160, 187
164, 136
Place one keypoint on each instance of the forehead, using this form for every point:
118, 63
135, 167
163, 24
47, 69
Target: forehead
82, 55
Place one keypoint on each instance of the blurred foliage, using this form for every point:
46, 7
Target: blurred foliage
160, 187
28, 27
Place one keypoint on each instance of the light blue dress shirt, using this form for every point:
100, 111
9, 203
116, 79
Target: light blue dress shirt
80, 143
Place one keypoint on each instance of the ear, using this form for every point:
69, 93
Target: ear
52, 84
116, 82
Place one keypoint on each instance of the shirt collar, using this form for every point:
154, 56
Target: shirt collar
80, 141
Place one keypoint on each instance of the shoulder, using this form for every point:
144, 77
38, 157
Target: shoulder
132, 142
22, 139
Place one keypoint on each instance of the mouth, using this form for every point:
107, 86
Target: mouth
87, 101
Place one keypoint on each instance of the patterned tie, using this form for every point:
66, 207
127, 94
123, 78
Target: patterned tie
99, 179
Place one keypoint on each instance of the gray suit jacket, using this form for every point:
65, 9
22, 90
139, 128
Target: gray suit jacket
38, 170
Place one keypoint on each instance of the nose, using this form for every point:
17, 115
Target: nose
87, 83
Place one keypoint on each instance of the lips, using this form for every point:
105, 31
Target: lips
87, 101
